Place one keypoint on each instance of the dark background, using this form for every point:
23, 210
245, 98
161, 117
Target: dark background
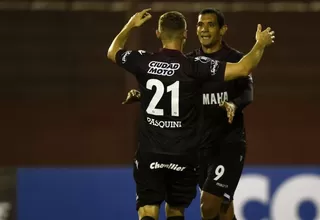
60, 98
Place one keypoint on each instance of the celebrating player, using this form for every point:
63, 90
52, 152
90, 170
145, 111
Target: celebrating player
166, 159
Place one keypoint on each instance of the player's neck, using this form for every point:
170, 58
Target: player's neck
212, 49
171, 45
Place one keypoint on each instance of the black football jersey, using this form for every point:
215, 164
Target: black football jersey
170, 85
239, 91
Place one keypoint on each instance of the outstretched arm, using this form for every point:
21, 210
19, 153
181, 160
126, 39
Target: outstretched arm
120, 40
245, 66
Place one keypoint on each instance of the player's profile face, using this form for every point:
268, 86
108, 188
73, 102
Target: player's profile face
208, 29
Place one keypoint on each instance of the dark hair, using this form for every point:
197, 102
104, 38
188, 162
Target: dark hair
217, 12
172, 21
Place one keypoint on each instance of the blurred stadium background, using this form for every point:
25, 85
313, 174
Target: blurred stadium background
61, 108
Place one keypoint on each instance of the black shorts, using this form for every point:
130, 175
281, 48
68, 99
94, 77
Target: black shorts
221, 168
164, 178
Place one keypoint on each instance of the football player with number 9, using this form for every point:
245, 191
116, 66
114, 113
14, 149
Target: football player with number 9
166, 159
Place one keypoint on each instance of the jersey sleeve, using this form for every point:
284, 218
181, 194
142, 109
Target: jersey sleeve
208, 69
130, 60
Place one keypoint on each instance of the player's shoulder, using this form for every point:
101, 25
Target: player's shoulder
124, 52
142, 52
202, 59
233, 55
193, 53
134, 55
197, 56
236, 53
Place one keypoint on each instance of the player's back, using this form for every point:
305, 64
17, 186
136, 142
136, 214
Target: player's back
170, 100
169, 104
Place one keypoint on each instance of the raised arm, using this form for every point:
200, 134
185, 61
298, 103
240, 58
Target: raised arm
245, 66
120, 40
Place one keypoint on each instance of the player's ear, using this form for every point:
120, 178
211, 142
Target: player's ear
158, 34
185, 34
223, 30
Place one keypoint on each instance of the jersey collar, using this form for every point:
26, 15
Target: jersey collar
171, 52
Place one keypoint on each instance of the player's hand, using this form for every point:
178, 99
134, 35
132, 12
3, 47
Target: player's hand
231, 109
266, 37
140, 17
133, 96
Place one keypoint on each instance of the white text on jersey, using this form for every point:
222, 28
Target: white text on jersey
215, 98
164, 124
171, 166
163, 68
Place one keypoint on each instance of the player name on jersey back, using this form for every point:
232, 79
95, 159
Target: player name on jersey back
164, 124
167, 69
170, 103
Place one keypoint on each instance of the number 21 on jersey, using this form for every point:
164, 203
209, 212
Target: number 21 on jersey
160, 90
